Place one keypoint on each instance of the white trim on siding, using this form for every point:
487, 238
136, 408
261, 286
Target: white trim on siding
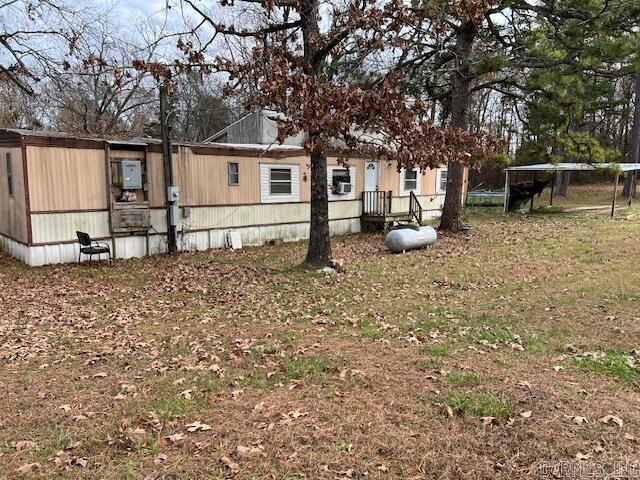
405, 193
438, 180
266, 197
352, 174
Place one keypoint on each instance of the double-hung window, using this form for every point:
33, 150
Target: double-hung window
442, 180
411, 180
280, 181
233, 172
9, 167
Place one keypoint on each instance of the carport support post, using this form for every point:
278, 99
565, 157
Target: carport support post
615, 194
553, 184
532, 196
506, 191
633, 181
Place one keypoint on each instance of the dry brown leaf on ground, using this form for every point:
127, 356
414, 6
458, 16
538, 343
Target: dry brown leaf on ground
24, 445
243, 451
80, 462
176, 437
578, 420
583, 456
27, 468
230, 464
236, 394
611, 419
160, 458
486, 421
197, 426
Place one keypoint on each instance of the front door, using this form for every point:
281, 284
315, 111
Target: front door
371, 175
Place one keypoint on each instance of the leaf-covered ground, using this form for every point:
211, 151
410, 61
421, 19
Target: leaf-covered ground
510, 353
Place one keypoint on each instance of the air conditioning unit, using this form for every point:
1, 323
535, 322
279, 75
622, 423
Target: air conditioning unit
344, 188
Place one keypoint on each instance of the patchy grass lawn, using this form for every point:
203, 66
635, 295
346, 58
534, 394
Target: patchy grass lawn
485, 356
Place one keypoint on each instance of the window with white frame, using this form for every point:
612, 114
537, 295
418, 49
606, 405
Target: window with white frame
279, 183
338, 172
441, 180
9, 173
410, 181
233, 172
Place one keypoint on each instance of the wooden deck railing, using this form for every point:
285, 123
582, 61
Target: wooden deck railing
415, 209
376, 202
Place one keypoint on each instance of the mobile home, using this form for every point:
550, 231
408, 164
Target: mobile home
54, 184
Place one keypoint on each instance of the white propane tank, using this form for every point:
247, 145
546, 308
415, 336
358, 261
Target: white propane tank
410, 239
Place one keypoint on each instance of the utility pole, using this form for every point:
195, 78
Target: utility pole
171, 189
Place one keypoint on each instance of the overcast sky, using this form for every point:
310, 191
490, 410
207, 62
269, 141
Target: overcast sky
144, 7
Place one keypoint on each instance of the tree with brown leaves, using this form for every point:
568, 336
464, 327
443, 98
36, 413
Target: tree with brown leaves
301, 64
31, 35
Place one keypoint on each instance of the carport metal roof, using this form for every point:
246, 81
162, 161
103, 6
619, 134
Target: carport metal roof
568, 167
617, 168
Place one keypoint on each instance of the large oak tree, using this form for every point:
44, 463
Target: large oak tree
302, 62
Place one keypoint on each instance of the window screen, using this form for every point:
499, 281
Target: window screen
280, 181
234, 173
411, 180
9, 173
443, 180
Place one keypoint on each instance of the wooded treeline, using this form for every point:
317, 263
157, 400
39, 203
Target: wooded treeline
68, 68
420, 83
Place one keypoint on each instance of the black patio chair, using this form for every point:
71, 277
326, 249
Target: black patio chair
92, 247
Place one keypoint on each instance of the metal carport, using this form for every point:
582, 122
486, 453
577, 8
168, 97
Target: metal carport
618, 168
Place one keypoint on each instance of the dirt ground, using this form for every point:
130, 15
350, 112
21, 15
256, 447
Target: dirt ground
509, 353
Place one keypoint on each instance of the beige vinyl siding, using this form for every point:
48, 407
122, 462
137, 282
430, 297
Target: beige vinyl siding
64, 179
155, 179
133, 154
203, 179
13, 209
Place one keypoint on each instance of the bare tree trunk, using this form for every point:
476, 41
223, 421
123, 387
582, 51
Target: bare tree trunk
562, 183
319, 252
634, 144
460, 100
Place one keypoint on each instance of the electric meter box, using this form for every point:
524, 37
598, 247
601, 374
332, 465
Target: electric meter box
173, 193
130, 174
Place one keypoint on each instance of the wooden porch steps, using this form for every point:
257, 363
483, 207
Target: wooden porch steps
377, 211
387, 217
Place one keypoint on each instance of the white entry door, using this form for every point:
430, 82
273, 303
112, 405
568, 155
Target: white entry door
371, 175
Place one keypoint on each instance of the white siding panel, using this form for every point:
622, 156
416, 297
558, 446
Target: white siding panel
15, 249
418, 189
241, 215
61, 227
352, 174
264, 183
159, 220
136, 246
345, 209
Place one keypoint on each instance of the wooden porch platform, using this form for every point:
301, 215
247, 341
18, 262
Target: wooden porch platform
377, 211
387, 217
